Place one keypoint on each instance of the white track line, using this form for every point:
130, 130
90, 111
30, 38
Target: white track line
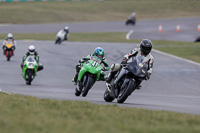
5, 92
176, 57
129, 34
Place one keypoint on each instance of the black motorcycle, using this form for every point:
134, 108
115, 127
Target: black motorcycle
128, 78
131, 21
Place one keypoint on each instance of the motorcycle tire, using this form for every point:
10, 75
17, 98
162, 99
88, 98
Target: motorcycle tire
77, 93
28, 82
8, 56
107, 96
57, 41
87, 86
123, 95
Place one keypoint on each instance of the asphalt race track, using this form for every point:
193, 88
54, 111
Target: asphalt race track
174, 84
143, 29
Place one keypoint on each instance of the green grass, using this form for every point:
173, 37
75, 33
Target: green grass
24, 114
109, 10
188, 50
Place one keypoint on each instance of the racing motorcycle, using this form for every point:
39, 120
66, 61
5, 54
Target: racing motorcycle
131, 21
133, 73
29, 70
88, 75
9, 50
60, 37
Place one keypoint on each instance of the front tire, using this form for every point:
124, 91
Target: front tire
77, 93
29, 80
8, 56
87, 87
123, 95
107, 96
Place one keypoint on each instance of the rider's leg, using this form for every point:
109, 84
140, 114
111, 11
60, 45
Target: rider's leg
40, 67
114, 69
78, 67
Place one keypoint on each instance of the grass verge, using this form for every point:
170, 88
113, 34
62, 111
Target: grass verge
188, 50
108, 10
25, 114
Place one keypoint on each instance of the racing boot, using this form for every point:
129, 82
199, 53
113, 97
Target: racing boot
138, 87
78, 86
110, 77
75, 79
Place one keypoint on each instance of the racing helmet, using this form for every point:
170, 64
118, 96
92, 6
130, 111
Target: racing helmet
10, 36
31, 49
146, 46
66, 28
99, 52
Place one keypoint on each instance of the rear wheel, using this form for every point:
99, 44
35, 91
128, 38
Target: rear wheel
125, 92
87, 86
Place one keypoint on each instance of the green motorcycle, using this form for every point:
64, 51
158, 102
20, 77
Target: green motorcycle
29, 70
88, 75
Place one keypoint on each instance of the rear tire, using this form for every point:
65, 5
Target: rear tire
107, 96
87, 87
128, 90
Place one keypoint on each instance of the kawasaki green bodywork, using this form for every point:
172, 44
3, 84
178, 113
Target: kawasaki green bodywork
92, 66
29, 64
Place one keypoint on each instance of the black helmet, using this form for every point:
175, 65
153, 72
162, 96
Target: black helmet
146, 46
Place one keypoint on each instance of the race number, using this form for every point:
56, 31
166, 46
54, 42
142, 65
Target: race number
94, 64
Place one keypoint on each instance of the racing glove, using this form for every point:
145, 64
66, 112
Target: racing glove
124, 60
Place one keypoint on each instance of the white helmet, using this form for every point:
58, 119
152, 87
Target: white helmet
31, 49
10, 35
66, 28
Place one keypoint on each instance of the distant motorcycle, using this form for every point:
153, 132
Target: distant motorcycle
133, 72
29, 70
60, 37
9, 50
131, 21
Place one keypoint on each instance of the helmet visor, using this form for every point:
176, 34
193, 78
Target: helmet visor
100, 56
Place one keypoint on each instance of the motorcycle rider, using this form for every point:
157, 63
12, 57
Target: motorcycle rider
132, 16
98, 52
145, 49
9, 38
65, 31
31, 51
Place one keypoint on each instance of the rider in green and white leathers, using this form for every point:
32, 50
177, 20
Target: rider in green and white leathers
99, 52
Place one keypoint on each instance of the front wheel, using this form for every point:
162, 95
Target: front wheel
87, 86
8, 55
77, 92
58, 40
107, 96
29, 79
126, 91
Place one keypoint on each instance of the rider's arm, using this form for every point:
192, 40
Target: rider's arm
4, 42
150, 63
133, 52
14, 42
84, 59
105, 63
24, 58
36, 57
